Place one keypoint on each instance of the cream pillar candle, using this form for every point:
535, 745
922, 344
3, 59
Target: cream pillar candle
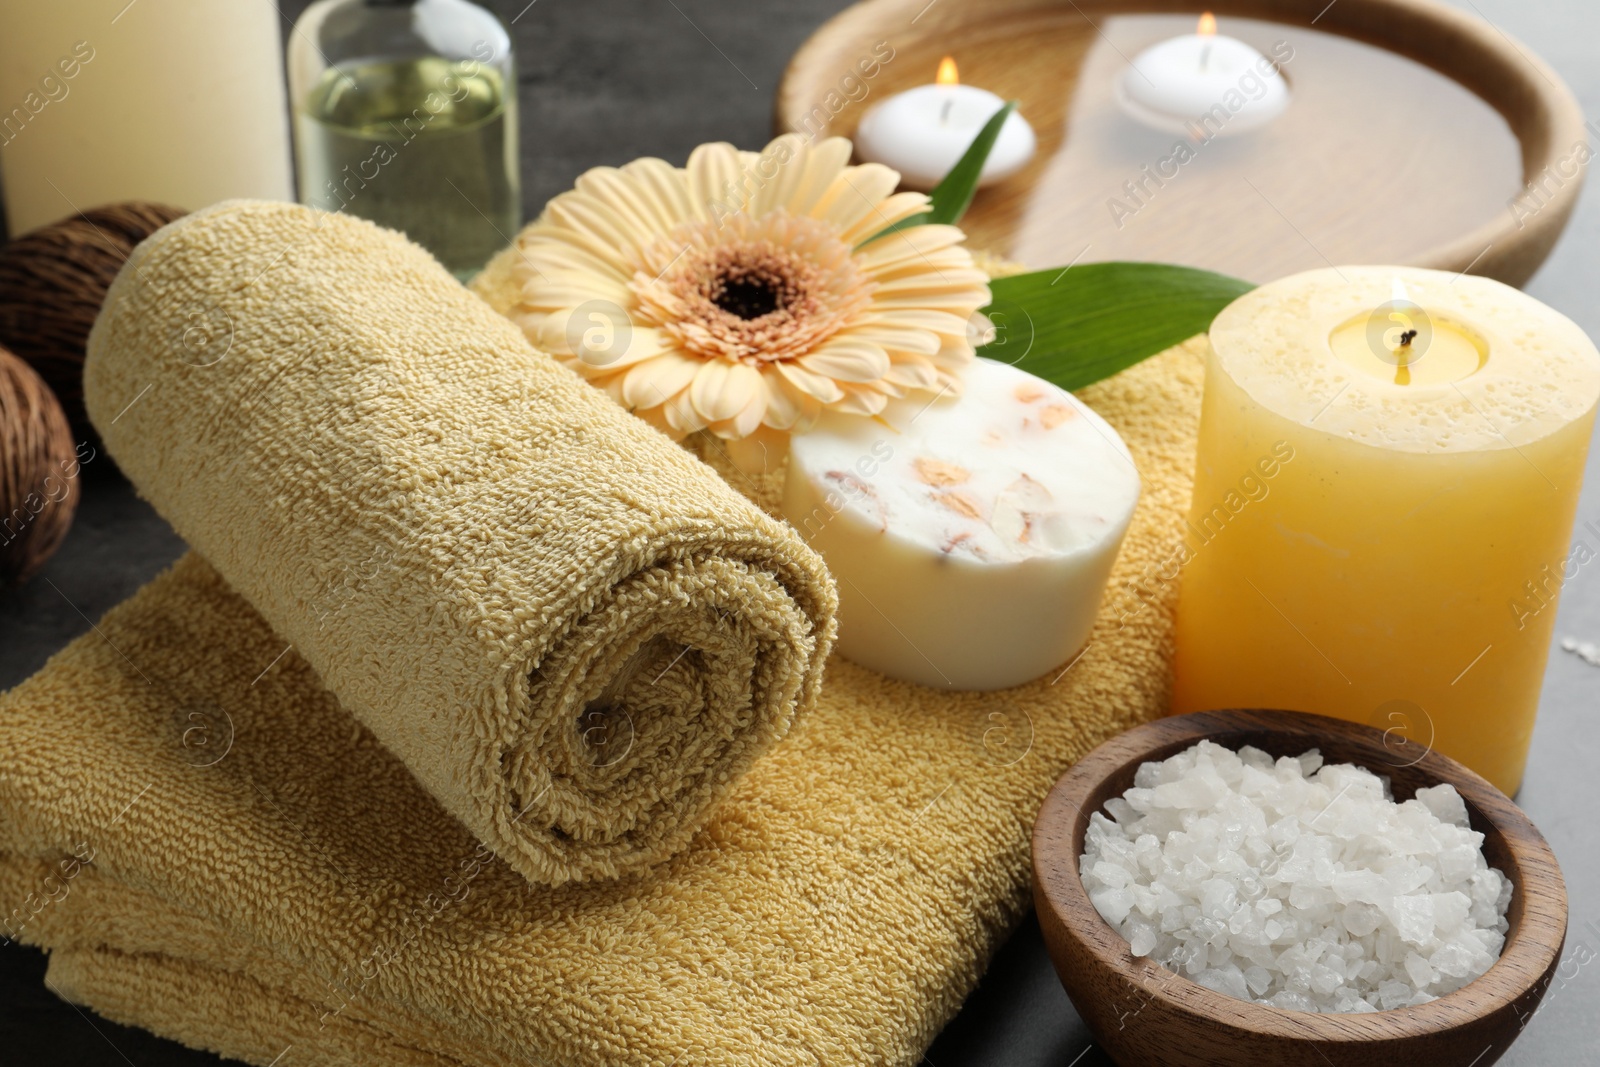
1402, 569
178, 101
972, 538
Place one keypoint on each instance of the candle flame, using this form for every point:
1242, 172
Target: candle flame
1207, 26
1398, 293
947, 73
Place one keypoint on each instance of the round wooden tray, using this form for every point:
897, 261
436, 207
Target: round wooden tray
1411, 136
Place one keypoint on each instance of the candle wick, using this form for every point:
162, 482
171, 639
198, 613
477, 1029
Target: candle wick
1402, 370
944, 115
1205, 55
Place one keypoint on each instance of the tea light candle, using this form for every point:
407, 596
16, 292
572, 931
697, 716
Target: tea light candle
925, 131
971, 540
1173, 86
1410, 555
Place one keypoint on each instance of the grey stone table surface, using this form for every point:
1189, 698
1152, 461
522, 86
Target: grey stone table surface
604, 81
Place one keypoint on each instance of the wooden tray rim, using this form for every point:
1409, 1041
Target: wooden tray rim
1540, 109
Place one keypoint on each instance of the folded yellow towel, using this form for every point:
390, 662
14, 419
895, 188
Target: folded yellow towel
236, 863
574, 634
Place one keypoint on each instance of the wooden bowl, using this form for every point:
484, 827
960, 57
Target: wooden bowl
1144, 1014
1412, 131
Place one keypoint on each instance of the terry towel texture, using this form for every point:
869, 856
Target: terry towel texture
296, 894
575, 635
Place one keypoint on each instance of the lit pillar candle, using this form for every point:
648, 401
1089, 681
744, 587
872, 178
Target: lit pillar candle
1389, 466
177, 101
925, 131
971, 539
1176, 85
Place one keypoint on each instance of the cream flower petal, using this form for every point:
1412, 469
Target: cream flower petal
546, 255
954, 299
848, 360
721, 390
665, 186
893, 339
897, 208
628, 198
749, 417
786, 405
944, 260
942, 323
681, 414
861, 400
818, 386
952, 357
913, 373
546, 227
913, 244
653, 381
974, 282
780, 170
596, 221
855, 195
819, 166
713, 177
563, 291
598, 340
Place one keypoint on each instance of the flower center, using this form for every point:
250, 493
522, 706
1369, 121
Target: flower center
750, 290
748, 297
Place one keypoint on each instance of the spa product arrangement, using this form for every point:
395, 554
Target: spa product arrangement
971, 538
291, 666
1295, 883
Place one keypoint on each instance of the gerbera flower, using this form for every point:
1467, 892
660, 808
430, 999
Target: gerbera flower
745, 291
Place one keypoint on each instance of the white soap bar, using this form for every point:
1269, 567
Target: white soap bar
972, 538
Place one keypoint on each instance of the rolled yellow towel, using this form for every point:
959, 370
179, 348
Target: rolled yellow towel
296, 898
571, 631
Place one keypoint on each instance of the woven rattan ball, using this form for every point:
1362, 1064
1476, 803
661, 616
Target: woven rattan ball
52, 282
39, 467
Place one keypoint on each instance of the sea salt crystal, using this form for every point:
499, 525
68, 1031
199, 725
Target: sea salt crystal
1295, 883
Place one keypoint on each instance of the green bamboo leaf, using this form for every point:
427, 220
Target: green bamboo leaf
950, 198
1076, 326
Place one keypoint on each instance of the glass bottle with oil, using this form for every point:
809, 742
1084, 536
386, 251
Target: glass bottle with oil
405, 113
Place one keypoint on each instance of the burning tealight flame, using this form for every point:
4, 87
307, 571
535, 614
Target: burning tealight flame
1207, 26
947, 73
1406, 331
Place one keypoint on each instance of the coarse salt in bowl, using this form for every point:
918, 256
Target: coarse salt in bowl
1144, 1012
1296, 883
